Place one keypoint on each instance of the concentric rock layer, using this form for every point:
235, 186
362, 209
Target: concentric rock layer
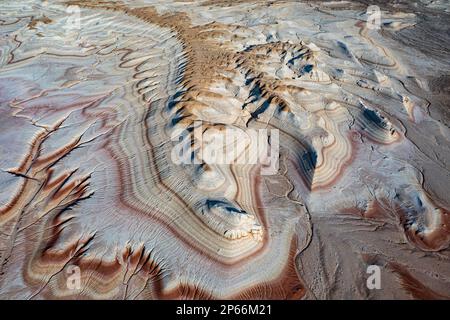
97, 100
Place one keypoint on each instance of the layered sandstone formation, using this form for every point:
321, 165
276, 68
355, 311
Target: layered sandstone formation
97, 100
